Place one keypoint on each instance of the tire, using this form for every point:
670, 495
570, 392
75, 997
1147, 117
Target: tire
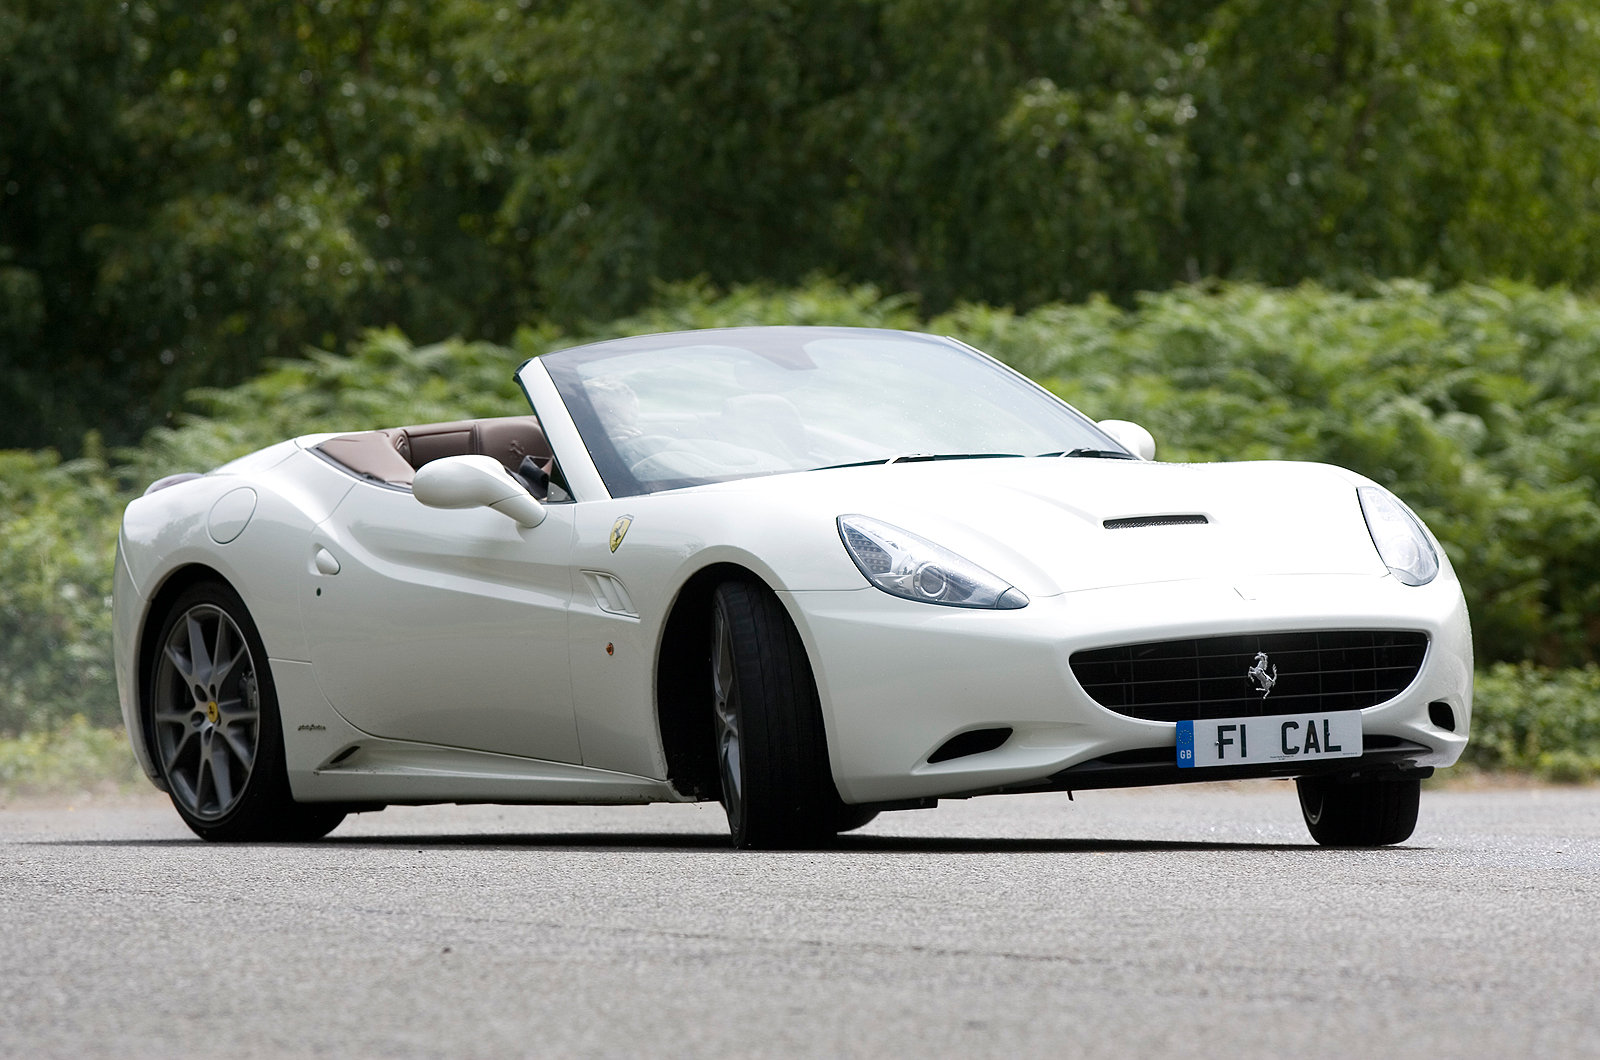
214, 730
1342, 811
772, 753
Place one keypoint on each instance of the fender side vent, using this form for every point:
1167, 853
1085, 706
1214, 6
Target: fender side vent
972, 742
342, 755
609, 594
1155, 520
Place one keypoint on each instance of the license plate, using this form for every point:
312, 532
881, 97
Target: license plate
1274, 739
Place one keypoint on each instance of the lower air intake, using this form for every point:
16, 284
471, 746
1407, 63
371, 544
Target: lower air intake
1222, 677
972, 742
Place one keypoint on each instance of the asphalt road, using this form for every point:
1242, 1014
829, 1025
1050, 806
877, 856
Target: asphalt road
1169, 922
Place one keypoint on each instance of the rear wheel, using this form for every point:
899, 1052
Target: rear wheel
772, 754
1360, 811
213, 726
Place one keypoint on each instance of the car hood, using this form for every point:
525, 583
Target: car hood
1041, 523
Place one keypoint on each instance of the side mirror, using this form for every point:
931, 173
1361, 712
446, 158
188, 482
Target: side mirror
475, 482
1133, 437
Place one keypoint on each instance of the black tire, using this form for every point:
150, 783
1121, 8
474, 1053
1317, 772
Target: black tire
772, 753
214, 729
1342, 811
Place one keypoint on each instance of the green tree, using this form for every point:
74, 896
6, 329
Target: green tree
66, 167
1436, 138
986, 149
58, 530
255, 178
188, 187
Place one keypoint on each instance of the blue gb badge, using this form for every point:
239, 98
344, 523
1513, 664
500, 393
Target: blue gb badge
1185, 745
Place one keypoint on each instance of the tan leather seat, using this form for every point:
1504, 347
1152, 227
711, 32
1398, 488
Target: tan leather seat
393, 454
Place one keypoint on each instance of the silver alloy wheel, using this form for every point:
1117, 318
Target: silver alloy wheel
725, 694
207, 712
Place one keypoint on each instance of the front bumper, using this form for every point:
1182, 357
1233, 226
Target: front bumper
898, 678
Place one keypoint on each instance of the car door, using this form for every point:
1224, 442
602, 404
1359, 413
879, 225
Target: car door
444, 626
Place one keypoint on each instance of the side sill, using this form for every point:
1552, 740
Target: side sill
372, 769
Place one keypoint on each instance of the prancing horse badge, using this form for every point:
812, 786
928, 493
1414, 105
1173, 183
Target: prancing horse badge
619, 530
1258, 674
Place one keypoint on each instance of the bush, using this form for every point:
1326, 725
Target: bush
1532, 720
58, 531
1478, 405
68, 759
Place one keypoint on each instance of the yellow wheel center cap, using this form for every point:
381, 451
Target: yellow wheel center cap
211, 711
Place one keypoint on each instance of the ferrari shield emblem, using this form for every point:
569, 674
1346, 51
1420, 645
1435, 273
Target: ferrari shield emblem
619, 530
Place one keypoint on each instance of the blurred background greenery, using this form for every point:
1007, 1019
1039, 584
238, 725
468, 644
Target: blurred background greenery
1355, 231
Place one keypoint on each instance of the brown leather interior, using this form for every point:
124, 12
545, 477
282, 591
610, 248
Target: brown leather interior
370, 453
394, 454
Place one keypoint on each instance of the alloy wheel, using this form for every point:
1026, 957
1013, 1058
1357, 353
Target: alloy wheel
207, 716
725, 694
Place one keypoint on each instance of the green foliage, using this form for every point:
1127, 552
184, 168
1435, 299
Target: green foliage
189, 187
1478, 405
1438, 139
1537, 721
74, 758
58, 532
192, 188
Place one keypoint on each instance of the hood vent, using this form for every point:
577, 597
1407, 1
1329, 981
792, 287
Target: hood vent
1155, 520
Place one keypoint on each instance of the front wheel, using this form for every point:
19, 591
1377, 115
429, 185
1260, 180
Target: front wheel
213, 726
1360, 811
772, 754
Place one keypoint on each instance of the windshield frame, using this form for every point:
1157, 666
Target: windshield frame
562, 366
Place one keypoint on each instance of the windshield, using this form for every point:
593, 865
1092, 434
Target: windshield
662, 412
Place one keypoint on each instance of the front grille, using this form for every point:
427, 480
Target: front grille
1175, 680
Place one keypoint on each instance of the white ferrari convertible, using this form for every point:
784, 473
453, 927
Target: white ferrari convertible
813, 573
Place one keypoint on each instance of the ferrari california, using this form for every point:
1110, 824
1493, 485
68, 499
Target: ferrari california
812, 573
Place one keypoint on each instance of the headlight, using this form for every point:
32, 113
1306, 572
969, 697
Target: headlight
905, 565
1401, 541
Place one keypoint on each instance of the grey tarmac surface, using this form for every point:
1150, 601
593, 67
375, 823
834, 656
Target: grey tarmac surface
1166, 922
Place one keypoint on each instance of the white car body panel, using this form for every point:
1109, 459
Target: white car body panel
443, 627
899, 682
464, 658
